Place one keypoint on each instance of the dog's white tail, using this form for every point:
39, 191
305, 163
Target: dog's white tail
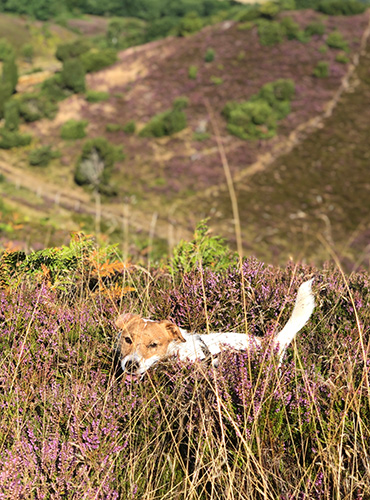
303, 307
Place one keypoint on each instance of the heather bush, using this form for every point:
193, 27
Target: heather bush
315, 28
73, 427
129, 127
72, 76
270, 33
342, 58
72, 50
167, 123
73, 129
34, 106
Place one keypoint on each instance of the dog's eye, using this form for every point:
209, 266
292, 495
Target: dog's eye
128, 340
153, 345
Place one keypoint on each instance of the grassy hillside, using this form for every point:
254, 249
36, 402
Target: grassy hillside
72, 427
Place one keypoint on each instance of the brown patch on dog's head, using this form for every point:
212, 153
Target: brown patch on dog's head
144, 338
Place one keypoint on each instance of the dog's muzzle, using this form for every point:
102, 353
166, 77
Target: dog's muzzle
130, 366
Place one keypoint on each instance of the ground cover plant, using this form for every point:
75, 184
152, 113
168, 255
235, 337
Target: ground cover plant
71, 427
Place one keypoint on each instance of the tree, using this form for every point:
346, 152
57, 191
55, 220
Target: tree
73, 75
10, 73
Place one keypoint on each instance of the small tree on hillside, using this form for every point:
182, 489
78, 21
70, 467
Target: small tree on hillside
73, 75
11, 115
10, 73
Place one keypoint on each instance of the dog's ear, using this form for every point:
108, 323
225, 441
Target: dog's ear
123, 320
173, 329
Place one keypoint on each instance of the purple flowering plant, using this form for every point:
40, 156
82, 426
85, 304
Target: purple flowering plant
73, 426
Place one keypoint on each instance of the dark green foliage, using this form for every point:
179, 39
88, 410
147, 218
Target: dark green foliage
270, 33
42, 156
258, 117
72, 50
160, 28
129, 127
341, 7
96, 163
10, 73
6, 49
166, 123
335, 40
54, 89
9, 139
209, 55
269, 9
72, 76
191, 23
292, 30
95, 60
11, 115
96, 96
315, 28
73, 129
32, 107
5, 93
204, 251
321, 70
180, 103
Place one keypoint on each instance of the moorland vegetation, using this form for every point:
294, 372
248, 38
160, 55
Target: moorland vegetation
72, 426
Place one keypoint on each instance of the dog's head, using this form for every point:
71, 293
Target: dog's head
143, 342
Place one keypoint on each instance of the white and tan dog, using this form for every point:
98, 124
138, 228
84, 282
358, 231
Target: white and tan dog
144, 342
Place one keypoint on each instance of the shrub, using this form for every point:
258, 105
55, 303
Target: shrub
72, 76
72, 50
96, 163
73, 129
9, 139
28, 52
54, 88
269, 9
96, 96
193, 72
113, 127
189, 24
42, 156
341, 7
342, 58
258, 117
10, 73
335, 40
32, 107
95, 60
129, 127
11, 115
216, 80
315, 28
209, 55
180, 103
6, 49
292, 30
270, 33
321, 70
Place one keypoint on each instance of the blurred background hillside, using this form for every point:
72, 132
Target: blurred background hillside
118, 118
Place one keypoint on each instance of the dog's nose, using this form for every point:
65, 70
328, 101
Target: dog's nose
131, 366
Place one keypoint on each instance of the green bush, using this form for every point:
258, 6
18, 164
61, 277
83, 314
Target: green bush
321, 70
258, 117
216, 80
34, 106
72, 50
269, 9
96, 96
315, 28
270, 33
166, 123
95, 60
54, 89
6, 49
95, 164
9, 139
209, 56
28, 52
335, 40
73, 129
341, 7
11, 115
42, 156
10, 73
72, 76
292, 30
193, 72
189, 24
342, 58
113, 127
180, 103
129, 127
